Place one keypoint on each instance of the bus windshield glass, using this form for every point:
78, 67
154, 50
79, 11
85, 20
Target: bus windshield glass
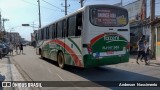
108, 16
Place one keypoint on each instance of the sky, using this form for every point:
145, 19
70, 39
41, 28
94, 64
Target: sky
26, 12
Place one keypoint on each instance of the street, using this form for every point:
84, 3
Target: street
33, 68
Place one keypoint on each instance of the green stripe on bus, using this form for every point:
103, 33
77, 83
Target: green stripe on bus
75, 45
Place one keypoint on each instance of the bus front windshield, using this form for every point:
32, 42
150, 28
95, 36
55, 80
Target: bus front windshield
108, 16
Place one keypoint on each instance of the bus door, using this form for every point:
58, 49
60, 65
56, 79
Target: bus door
74, 36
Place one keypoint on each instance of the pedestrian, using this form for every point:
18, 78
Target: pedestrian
145, 56
11, 47
141, 48
16, 46
21, 48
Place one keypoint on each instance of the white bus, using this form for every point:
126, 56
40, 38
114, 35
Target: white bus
94, 35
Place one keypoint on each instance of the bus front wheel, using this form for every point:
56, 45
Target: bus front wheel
60, 60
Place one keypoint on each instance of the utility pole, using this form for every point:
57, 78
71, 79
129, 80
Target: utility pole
121, 3
4, 20
33, 26
0, 22
81, 2
153, 35
39, 13
65, 6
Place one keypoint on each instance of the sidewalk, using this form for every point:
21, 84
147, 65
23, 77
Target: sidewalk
152, 62
8, 71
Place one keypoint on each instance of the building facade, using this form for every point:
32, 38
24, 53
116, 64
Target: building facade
156, 24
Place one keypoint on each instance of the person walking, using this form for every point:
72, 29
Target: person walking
145, 56
16, 46
11, 47
21, 48
141, 48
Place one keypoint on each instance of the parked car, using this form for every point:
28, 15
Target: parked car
4, 49
7, 47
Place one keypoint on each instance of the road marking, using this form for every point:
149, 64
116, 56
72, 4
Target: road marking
59, 76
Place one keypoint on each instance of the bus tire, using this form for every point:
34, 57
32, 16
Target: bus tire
60, 60
40, 52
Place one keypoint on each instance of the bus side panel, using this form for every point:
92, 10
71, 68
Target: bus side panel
68, 48
73, 54
52, 51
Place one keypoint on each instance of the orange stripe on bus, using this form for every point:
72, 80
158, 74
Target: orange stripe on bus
68, 49
96, 38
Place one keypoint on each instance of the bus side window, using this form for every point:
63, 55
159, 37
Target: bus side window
47, 33
53, 31
50, 32
79, 24
71, 25
64, 30
59, 29
56, 30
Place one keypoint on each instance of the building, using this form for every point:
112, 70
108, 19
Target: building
137, 29
12, 37
156, 24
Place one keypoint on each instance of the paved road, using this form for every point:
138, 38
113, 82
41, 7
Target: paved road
33, 68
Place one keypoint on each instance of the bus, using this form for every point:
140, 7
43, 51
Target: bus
92, 36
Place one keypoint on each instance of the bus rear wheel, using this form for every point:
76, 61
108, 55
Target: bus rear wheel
60, 60
40, 52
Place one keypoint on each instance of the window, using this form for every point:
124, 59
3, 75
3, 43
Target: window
53, 31
47, 33
50, 32
42, 33
64, 30
59, 29
71, 26
79, 24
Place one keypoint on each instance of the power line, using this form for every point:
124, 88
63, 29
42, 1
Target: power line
37, 5
52, 4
